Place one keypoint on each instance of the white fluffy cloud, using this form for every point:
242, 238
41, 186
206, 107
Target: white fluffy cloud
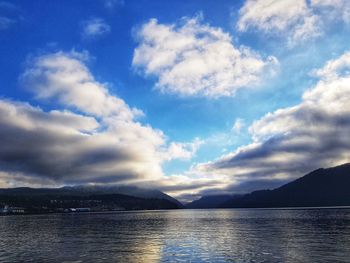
297, 20
293, 141
183, 151
291, 17
191, 58
65, 78
95, 27
101, 143
336, 9
334, 68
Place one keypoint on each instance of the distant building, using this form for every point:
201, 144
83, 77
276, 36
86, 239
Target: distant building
12, 210
4, 210
16, 210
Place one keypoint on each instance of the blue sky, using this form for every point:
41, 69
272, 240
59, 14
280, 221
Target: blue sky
205, 76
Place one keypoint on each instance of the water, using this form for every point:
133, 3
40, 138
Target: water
241, 235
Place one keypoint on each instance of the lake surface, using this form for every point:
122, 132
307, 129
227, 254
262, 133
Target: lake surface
232, 235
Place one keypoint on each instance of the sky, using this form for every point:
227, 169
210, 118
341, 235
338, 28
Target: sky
190, 97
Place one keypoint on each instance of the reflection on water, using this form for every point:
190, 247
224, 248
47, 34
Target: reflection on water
244, 235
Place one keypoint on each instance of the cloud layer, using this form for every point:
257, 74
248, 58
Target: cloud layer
191, 58
293, 141
94, 139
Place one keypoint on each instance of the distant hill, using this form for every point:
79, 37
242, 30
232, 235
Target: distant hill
101, 198
125, 190
322, 187
210, 201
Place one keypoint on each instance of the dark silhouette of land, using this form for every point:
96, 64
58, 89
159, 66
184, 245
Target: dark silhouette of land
210, 201
67, 199
322, 187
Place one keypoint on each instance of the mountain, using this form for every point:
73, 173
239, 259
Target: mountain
210, 201
125, 190
322, 187
98, 197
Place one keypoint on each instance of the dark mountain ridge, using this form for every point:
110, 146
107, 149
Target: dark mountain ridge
210, 201
322, 187
98, 197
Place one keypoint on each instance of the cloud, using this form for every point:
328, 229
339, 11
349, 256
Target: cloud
11, 16
194, 59
93, 139
110, 4
192, 185
95, 27
293, 18
7, 5
6, 22
336, 9
64, 77
69, 148
334, 68
292, 141
238, 125
184, 151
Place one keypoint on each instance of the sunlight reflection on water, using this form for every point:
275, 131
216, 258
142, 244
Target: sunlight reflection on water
241, 235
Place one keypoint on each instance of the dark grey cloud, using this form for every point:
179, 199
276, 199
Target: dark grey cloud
94, 137
41, 144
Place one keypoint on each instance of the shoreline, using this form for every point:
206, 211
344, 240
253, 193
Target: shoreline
181, 209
